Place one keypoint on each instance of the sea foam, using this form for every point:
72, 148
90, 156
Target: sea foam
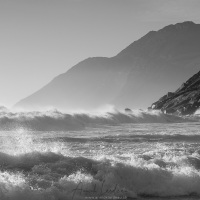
58, 121
54, 176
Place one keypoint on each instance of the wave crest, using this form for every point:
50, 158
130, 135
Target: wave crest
58, 121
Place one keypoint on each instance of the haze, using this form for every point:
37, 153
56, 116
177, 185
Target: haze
41, 39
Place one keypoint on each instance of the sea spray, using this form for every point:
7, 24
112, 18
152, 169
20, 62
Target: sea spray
58, 121
138, 160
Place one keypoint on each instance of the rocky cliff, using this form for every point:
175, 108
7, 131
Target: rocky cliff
185, 100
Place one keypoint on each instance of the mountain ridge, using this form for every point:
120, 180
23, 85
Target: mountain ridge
135, 77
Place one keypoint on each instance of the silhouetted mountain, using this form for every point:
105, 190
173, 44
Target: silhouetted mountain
137, 76
185, 100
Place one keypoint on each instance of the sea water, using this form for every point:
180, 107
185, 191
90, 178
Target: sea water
102, 161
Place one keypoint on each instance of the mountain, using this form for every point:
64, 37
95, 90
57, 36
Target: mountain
185, 100
138, 75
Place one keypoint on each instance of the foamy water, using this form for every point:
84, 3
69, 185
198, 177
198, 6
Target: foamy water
112, 156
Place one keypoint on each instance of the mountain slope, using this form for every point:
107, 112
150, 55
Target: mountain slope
185, 100
137, 76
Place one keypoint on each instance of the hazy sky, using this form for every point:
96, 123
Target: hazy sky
40, 39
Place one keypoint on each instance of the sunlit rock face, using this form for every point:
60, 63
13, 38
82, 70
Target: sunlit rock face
185, 100
147, 69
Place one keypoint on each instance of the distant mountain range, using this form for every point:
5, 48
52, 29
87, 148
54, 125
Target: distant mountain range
136, 77
185, 100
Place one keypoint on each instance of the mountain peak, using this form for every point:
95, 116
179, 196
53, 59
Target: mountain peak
186, 23
166, 42
178, 26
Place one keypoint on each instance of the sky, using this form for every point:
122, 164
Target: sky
40, 39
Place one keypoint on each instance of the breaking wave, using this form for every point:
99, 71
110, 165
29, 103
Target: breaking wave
58, 121
41, 176
109, 161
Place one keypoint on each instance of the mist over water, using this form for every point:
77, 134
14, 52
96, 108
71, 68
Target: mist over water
54, 120
59, 156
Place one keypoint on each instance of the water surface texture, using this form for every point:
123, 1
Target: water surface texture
118, 161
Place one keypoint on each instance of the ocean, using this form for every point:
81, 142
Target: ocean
112, 155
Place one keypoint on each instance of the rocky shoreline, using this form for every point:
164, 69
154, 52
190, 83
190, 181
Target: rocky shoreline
184, 101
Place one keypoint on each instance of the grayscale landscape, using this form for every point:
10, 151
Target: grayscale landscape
100, 99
